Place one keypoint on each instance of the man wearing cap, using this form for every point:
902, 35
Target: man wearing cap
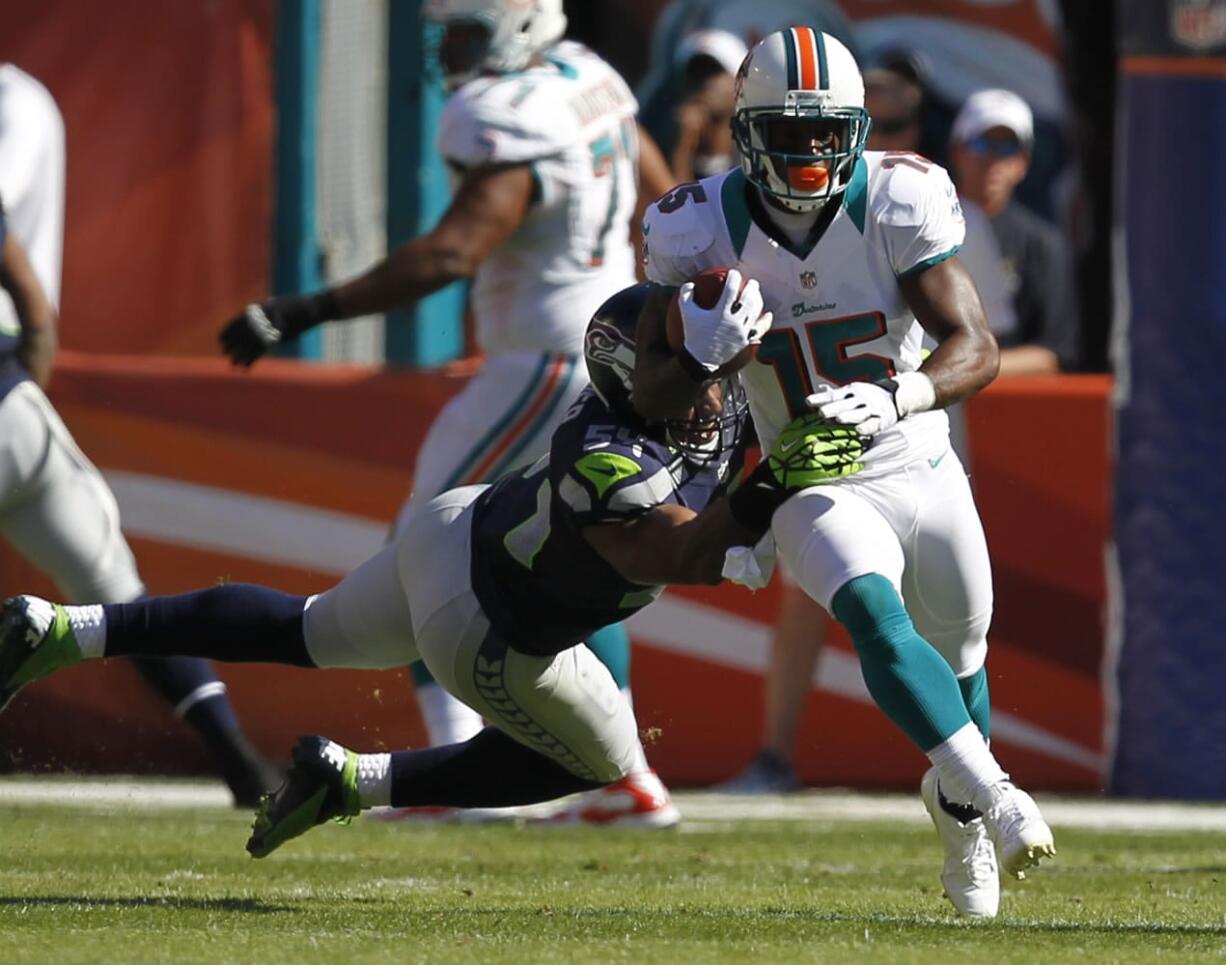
990, 153
708, 62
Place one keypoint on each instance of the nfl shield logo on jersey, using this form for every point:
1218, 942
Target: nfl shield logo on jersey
808, 279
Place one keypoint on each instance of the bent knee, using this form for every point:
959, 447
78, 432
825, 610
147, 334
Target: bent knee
873, 613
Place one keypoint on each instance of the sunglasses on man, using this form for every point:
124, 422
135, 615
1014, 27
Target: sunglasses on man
995, 146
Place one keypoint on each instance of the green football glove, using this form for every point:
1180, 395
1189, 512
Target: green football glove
807, 453
810, 452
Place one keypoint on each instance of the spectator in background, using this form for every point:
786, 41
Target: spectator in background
990, 149
708, 62
961, 46
894, 101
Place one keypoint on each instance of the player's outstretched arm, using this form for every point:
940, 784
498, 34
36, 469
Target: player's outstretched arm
673, 544
946, 303
34, 312
489, 205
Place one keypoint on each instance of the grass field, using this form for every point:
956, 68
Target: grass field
94, 882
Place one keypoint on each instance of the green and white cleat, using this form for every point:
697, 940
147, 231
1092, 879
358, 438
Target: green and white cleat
322, 785
1019, 832
35, 640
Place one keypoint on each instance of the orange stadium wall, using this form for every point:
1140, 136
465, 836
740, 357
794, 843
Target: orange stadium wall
169, 121
288, 476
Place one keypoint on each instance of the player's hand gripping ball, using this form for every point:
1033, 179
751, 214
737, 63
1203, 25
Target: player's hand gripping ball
717, 318
811, 451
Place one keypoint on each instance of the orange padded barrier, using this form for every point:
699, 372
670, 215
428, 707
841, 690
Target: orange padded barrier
288, 475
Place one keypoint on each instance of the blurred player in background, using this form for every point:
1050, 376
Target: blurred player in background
551, 164
856, 253
494, 587
55, 508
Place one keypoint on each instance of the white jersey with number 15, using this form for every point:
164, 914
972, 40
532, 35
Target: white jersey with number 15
839, 313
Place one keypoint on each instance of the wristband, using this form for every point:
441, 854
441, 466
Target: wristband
912, 391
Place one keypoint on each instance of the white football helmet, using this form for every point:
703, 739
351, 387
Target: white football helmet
512, 31
799, 73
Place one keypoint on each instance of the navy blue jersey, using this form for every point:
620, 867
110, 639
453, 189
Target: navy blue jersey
11, 370
540, 583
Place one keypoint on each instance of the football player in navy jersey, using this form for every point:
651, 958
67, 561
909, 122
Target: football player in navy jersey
495, 587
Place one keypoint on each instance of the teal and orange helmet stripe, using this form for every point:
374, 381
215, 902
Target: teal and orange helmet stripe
806, 58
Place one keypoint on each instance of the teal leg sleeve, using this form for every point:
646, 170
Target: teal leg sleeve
978, 703
908, 679
421, 676
611, 645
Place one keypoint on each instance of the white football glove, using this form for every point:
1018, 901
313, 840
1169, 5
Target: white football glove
714, 336
873, 407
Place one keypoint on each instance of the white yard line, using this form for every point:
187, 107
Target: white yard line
135, 794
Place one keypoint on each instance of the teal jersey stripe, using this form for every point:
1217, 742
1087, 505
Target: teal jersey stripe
736, 211
559, 393
823, 71
500, 426
789, 47
929, 262
855, 198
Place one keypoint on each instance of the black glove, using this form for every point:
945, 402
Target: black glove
259, 327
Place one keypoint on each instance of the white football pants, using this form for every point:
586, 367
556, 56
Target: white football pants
56, 509
919, 528
415, 600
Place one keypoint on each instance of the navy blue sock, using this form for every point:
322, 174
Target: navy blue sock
491, 770
191, 687
237, 623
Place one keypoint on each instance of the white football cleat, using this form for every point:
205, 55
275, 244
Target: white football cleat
638, 800
1019, 832
970, 876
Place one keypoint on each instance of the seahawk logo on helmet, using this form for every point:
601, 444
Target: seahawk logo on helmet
707, 433
493, 36
799, 122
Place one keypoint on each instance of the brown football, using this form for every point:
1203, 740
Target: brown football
707, 288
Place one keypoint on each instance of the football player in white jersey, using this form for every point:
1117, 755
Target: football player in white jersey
56, 510
542, 135
855, 254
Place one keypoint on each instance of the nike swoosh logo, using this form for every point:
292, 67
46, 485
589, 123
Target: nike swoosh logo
937, 461
610, 471
789, 446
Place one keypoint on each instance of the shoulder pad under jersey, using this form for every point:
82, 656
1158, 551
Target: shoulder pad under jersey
916, 206
506, 120
614, 476
908, 189
681, 228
